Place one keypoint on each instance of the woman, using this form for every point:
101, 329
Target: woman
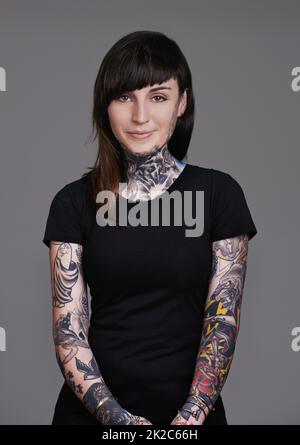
165, 300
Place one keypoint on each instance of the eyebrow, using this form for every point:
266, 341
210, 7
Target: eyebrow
157, 89
160, 88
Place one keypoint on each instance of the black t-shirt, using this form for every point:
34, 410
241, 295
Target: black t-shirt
148, 287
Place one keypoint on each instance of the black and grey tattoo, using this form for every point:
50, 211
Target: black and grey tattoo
65, 274
70, 332
150, 174
109, 412
89, 371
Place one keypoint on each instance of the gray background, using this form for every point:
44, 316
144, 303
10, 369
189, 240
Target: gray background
241, 54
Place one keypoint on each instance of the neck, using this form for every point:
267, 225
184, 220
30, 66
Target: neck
158, 160
151, 172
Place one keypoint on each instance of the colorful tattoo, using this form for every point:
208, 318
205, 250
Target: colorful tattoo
220, 324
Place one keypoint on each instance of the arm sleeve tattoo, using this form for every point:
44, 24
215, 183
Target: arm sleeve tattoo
70, 333
220, 323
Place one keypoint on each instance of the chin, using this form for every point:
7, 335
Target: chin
140, 145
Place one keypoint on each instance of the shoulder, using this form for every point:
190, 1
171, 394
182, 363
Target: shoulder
199, 175
222, 186
73, 193
196, 169
223, 181
218, 179
230, 212
71, 204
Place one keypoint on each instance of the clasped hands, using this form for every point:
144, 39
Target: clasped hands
111, 413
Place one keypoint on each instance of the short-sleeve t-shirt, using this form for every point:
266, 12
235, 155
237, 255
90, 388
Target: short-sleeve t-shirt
148, 285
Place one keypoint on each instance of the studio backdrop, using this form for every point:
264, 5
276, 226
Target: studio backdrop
245, 65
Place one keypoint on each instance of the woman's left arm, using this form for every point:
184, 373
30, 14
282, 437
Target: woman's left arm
221, 323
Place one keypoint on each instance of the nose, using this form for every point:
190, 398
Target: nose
140, 112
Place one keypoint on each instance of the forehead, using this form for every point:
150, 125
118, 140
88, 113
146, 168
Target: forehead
168, 85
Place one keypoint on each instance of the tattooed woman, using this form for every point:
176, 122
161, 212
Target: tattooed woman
157, 342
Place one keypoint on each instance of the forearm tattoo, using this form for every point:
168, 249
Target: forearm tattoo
220, 324
70, 333
109, 412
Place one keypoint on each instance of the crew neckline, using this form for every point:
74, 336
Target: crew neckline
174, 184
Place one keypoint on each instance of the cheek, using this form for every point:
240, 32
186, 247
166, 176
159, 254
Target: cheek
117, 118
169, 122
166, 120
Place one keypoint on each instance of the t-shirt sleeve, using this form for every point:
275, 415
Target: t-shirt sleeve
63, 222
230, 213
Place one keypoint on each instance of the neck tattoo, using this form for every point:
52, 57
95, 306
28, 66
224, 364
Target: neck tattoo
150, 174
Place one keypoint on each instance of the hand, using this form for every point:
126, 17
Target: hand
185, 418
137, 420
111, 413
124, 417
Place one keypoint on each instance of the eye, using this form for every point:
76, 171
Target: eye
161, 98
123, 95
126, 95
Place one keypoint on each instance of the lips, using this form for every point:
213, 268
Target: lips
140, 135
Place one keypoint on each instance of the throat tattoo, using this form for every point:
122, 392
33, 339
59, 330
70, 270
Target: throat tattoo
150, 174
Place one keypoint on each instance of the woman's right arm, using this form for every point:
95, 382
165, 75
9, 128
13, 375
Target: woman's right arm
70, 333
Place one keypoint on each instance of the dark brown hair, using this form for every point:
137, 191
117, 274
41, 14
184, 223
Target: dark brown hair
137, 60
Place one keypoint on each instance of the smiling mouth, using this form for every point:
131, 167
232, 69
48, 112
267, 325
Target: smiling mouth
141, 135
